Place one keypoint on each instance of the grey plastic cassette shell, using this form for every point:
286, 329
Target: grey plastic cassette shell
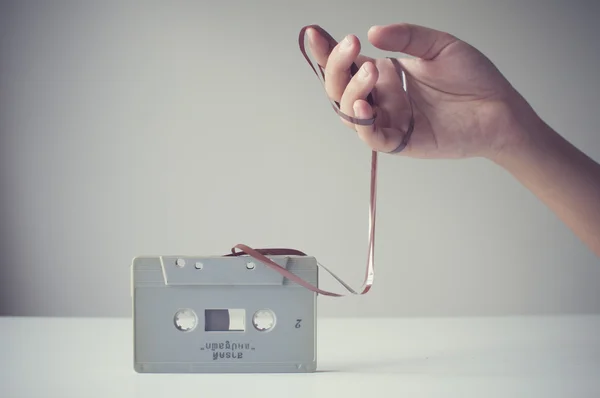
159, 288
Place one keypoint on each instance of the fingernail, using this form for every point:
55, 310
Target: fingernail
363, 71
356, 108
346, 43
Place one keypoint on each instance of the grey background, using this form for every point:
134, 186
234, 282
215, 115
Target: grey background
185, 127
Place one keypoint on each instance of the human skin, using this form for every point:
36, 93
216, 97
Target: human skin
463, 107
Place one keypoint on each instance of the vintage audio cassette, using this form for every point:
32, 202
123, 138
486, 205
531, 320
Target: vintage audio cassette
223, 314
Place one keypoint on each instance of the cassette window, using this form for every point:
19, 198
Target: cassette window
225, 320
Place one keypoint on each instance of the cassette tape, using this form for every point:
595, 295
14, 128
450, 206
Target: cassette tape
223, 314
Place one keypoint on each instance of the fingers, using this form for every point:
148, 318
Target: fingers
337, 73
359, 87
336, 59
378, 138
415, 40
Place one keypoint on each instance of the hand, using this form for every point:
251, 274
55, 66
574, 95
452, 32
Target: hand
463, 106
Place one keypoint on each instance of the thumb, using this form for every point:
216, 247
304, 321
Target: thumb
415, 40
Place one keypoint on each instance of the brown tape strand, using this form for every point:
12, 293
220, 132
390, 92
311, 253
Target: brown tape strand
261, 254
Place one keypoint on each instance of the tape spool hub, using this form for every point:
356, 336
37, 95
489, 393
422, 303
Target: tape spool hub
264, 320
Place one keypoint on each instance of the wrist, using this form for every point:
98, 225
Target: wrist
520, 135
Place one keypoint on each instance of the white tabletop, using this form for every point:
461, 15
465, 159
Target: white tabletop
462, 357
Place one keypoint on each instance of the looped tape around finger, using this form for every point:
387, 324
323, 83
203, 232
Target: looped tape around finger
262, 254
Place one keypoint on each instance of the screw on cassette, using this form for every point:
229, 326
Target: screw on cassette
261, 254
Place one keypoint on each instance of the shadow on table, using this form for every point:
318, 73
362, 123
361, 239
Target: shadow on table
403, 365
442, 364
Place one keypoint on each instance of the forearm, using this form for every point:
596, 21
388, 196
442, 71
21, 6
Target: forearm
561, 176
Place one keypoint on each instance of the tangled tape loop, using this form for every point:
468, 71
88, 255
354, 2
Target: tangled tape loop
261, 254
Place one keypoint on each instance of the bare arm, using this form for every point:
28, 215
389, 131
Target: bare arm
559, 174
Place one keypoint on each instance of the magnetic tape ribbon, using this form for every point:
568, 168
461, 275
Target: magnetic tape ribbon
261, 254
